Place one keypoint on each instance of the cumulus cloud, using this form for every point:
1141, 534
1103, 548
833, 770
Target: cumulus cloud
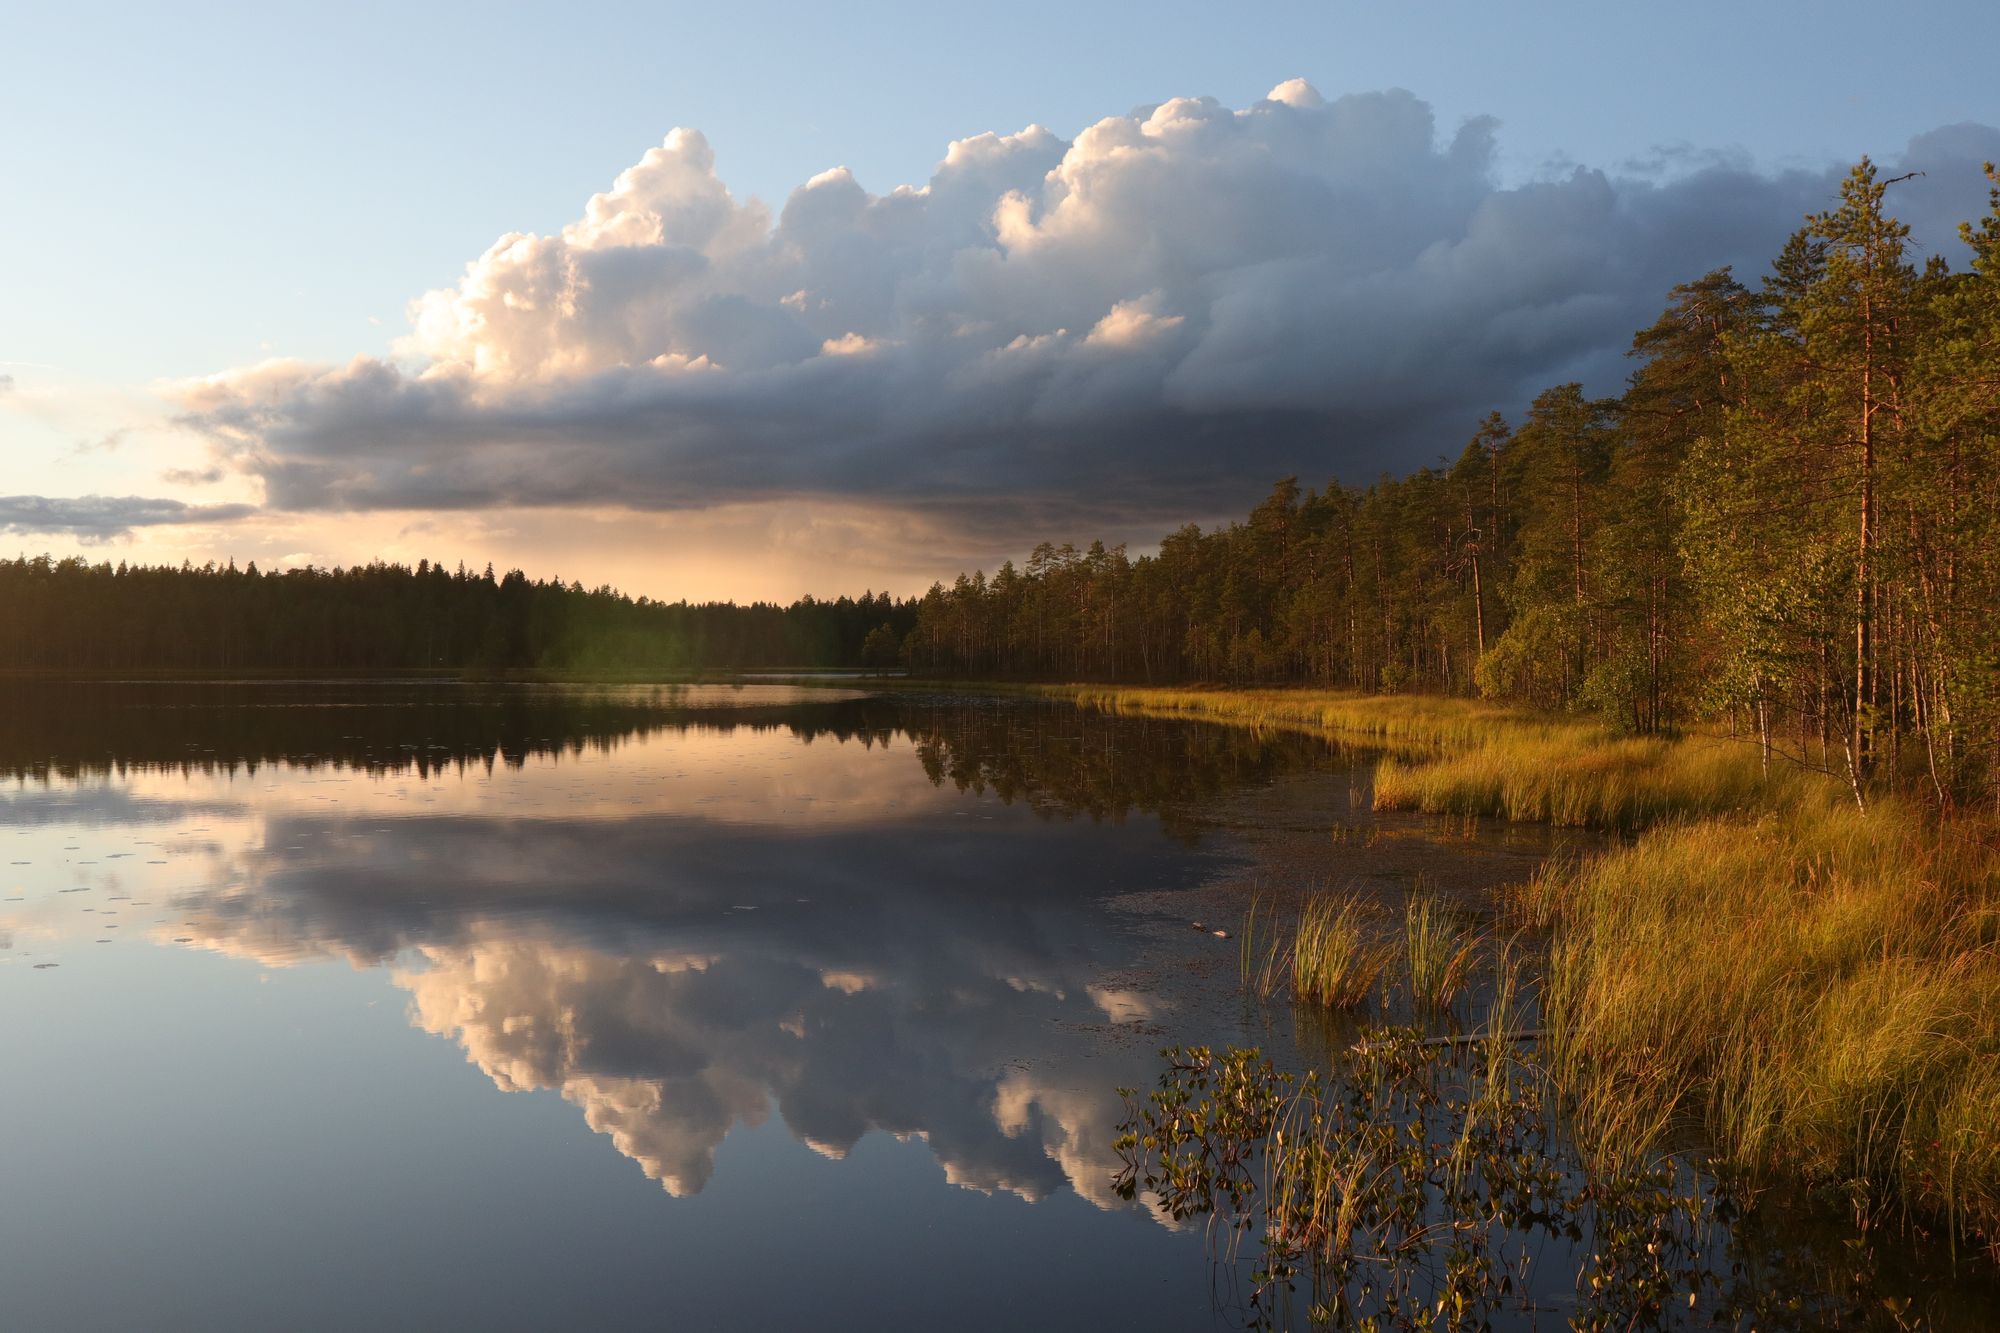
97, 518
1179, 297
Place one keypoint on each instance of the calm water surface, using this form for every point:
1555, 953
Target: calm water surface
420, 1006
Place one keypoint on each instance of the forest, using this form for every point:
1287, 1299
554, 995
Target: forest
72, 615
1789, 521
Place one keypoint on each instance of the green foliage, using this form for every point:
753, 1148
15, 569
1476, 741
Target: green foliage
883, 647
1788, 525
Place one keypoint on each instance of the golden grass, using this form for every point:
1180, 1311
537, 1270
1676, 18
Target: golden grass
1475, 758
1438, 951
1818, 988
1381, 719
1259, 946
1335, 962
1599, 782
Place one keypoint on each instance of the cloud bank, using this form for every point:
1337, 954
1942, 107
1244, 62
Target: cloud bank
98, 518
1138, 323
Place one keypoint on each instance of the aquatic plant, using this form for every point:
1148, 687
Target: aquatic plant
1259, 946
1335, 961
1407, 1188
1438, 949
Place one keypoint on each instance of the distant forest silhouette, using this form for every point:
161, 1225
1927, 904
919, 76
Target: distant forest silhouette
69, 615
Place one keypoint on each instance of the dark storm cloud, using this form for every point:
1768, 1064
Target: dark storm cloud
1180, 302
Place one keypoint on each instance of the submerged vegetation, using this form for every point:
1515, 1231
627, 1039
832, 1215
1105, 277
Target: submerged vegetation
1386, 1189
1413, 1184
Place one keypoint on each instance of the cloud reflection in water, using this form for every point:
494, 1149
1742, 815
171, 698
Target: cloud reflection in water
681, 932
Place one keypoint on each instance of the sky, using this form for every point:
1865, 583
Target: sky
757, 300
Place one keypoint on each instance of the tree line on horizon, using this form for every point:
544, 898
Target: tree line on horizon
1790, 519
71, 615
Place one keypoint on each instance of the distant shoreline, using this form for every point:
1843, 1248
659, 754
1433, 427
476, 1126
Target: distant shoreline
440, 675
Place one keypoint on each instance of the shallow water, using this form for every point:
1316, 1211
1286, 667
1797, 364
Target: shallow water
415, 1005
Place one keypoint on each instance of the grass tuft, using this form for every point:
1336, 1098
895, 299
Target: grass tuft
1334, 961
1259, 947
1439, 951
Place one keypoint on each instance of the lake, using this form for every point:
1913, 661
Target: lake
421, 1005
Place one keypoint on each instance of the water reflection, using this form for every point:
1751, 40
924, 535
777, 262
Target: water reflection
766, 915
76, 729
866, 914
674, 978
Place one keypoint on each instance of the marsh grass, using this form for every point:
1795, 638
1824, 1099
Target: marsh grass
1259, 947
1813, 989
1536, 903
1375, 719
1336, 961
1589, 780
1474, 759
1438, 951
1817, 990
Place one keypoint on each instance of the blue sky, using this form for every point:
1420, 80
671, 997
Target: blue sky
194, 188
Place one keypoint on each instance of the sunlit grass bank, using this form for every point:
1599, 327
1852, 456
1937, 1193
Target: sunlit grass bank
1368, 718
1818, 989
1813, 988
1589, 780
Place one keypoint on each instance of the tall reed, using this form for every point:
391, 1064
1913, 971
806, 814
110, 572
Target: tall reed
1335, 962
1259, 945
1439, 951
